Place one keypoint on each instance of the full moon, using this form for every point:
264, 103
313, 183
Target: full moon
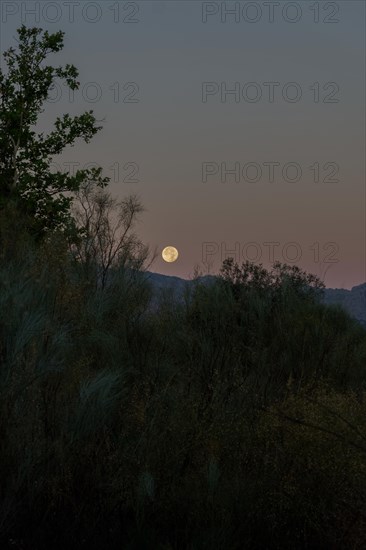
170, 254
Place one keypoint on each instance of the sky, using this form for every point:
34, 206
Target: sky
240, 125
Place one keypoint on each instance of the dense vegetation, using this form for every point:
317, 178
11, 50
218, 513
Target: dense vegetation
235, 418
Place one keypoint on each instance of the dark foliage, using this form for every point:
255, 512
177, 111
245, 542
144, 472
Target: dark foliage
235, 418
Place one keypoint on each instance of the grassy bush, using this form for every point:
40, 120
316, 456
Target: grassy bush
233, 419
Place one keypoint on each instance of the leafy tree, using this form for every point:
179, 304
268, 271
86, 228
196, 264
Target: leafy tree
26, 180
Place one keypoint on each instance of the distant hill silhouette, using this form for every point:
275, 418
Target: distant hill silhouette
353, 301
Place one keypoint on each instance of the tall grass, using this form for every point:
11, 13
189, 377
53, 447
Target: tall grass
233, 419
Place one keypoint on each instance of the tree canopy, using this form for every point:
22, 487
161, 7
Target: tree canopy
27, 182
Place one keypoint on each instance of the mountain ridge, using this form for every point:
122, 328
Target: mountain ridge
352, 300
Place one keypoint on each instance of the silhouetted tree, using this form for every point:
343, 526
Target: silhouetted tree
26, 180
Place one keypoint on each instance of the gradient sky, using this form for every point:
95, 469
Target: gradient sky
169, 132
